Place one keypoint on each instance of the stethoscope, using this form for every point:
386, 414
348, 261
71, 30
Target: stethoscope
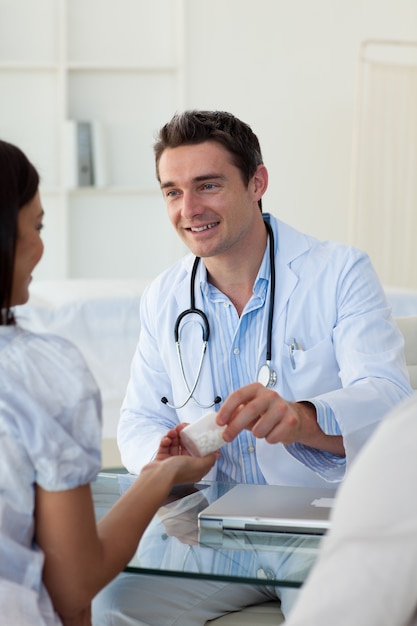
267, 376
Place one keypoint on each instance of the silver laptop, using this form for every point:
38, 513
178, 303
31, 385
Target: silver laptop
270, 508
270, 542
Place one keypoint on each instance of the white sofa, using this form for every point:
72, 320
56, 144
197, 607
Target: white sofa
102, 318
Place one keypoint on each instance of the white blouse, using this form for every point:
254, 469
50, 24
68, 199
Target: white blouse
50, 431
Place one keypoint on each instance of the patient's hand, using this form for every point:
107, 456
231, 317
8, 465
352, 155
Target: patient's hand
170, 444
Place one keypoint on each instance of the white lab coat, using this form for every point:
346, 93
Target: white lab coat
329, 299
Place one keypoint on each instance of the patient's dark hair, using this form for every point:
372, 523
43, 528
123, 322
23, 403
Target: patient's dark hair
19, 182
194, 127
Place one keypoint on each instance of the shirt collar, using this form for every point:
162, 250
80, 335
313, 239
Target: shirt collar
261, 284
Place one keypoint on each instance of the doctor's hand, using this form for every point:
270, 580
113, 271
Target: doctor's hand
264, 412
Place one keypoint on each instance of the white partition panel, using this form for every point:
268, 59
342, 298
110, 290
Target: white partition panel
383, 216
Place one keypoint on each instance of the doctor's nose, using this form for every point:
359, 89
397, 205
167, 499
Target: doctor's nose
191, 205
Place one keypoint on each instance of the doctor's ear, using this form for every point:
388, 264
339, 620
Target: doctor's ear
259, 182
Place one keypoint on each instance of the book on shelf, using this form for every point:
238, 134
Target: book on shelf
85, 154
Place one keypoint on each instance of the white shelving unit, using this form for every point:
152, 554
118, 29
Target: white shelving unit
116, 62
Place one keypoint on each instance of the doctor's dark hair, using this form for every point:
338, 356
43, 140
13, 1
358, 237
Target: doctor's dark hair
19, 182
194, 127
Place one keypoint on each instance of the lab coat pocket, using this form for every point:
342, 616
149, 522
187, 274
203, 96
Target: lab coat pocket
312, 371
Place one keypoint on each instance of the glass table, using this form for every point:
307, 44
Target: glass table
173, 544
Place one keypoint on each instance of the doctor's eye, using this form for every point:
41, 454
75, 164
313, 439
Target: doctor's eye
171, 193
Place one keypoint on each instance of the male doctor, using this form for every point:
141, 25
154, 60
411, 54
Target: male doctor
290, 339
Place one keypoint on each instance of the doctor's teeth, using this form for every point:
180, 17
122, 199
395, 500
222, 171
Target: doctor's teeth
200, 228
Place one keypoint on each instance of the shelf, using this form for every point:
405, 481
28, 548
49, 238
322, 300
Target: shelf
140, 69
115, 191
19, 66
118, 65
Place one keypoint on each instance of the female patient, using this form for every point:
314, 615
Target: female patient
53, 557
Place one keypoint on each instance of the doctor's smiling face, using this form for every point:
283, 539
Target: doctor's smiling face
209, 205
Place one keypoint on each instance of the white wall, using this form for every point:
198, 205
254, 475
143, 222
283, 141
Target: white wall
288, 68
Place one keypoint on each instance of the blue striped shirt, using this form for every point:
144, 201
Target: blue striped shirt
234, 347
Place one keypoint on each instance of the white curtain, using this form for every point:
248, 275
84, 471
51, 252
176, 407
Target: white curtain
383, 214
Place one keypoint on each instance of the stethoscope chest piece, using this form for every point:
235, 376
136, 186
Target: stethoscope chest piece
267, 376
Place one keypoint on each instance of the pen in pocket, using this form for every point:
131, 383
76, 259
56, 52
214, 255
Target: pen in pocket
294, 345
